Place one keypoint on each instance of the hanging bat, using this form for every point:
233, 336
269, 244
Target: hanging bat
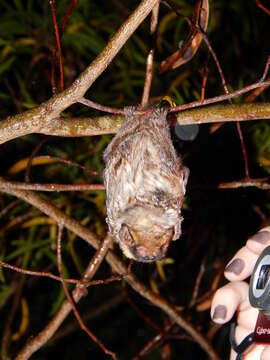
145, 184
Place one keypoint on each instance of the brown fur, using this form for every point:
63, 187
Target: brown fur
145, 183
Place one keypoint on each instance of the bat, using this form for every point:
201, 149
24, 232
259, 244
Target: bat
145, 183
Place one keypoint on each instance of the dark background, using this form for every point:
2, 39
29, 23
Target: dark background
216, 222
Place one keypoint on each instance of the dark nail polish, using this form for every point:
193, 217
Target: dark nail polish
261, 236
220, 312
236, 266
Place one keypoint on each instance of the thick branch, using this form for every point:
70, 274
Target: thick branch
110, 124
25, 124
225, 113
83, 232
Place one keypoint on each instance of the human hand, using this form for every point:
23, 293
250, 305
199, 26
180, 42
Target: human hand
234, 296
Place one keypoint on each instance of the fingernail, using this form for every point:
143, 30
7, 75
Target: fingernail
261, 237
236, 266
220, 312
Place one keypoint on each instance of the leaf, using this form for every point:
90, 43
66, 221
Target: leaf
22, 164
26, 41
19, 5
189, 48
41, 220
161, 271
26, 95
58, 302
160, 267
153, 285
7, 64
24, 321
26, 248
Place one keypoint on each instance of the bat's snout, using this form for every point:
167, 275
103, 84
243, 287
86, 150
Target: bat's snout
144, 247
143, 254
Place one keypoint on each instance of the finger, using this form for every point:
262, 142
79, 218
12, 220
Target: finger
242, 264
266, 353
258, 242
247, 316
254, 352
227, 299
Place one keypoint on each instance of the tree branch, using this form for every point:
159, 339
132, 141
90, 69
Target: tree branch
258, 183
110, 124
225, 113
83, 232
21, 125
44, 115
150, 58
8, 184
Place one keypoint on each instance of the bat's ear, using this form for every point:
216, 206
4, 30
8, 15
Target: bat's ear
126, 236
185, 175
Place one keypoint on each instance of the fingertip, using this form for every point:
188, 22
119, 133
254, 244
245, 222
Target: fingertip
219, 313
241, 266
236, 266
259, 241
265, 354
226, 300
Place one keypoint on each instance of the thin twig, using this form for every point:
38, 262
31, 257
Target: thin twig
29, 164
50, 187
220, 98
154, 342
263, 184
8, 207
71, 300
67, 16
197, 283
38, 273
57, 278
225, 87
256, 92
204, 72
266, 69
49, 159
263, 8
63, 27
100, 107
58, 43
16, 221
72, 163
150, 57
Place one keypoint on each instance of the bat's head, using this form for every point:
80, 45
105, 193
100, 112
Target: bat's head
145, 233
